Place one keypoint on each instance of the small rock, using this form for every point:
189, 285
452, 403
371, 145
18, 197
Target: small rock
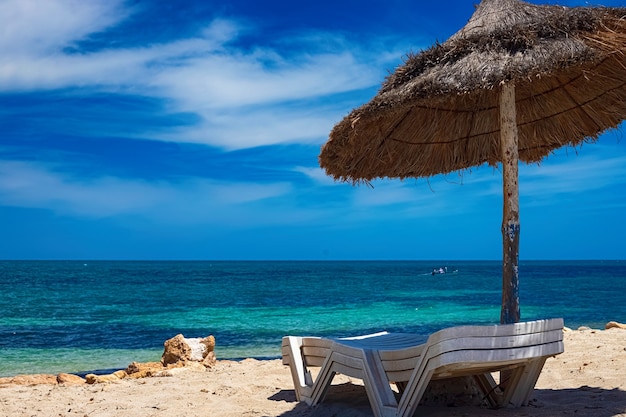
615, 325
70, 379
142, 370
189, 367
181, 349
100, 379
34, 379
175, 350
210, 360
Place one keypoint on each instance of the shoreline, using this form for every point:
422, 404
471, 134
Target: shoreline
156, 357
586, 380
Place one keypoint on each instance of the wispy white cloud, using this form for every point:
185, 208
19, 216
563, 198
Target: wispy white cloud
244, 98
233, 78
553, 183
255, 126
190, 200
34, 27
385, 194
575, 175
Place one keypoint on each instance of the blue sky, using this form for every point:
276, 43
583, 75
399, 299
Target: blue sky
148, 129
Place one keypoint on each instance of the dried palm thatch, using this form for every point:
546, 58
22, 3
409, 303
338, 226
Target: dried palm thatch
439, 111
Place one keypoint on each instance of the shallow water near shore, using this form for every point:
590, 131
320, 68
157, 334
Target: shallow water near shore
78, 316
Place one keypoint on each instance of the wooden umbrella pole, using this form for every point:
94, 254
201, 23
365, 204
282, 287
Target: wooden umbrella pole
510, 312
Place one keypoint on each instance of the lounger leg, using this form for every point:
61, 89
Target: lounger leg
322, 382
414, 390
302, 380
382, 398
528, 377
490, 390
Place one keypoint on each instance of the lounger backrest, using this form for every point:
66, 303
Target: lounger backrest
312, 349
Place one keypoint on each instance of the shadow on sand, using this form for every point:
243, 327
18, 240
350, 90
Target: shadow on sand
349, 400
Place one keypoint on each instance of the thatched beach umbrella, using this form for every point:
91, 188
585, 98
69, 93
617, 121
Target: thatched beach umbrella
516, 83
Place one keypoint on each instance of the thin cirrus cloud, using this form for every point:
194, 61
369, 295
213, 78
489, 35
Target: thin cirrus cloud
540, 184
30, 27
264, 125
242, 98
582, 174
35, 186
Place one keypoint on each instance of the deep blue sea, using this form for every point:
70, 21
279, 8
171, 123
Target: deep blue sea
79, 316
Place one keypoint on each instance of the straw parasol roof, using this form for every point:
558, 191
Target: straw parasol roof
516, 83
438, 112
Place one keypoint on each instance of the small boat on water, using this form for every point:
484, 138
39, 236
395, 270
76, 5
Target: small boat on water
443, 270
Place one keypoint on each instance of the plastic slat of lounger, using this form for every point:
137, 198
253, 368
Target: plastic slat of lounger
511, 354
399, 365
286, 357
313, 350
454, 363
516, 348
314, 355
500, 329
400, 371
383, 341
497, 332
398, 352
350, 364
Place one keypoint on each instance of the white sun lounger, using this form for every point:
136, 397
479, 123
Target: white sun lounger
411, 361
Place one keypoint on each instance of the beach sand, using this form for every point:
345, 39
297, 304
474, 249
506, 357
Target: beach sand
589, 379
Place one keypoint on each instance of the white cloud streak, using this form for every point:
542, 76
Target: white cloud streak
245, 98
576, 175
318, 175
33, 27
191, 200
548, 184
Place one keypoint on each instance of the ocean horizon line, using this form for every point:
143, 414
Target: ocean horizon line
310, 260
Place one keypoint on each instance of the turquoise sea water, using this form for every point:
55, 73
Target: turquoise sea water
71, 316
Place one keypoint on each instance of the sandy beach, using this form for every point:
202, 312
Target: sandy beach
589, 379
